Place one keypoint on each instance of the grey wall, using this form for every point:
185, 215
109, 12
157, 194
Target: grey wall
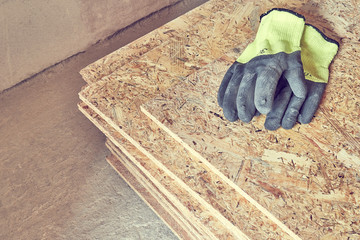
37, 34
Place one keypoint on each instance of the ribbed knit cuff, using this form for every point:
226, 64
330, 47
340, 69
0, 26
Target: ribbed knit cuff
317, 53
280, 30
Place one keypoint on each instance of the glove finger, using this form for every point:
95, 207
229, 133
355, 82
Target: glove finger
245, 97
225, 82
229, 101
265, 88
273, 119
312, 102
296, 80
292, 112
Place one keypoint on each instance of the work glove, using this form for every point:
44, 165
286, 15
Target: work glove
317, 52
250, 83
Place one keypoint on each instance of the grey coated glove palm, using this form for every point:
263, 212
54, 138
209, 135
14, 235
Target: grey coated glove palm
317, 53
250, 83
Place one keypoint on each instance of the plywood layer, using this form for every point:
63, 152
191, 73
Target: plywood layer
201, 215
307, 176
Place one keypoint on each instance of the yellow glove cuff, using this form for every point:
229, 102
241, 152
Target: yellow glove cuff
317, 52
280, 30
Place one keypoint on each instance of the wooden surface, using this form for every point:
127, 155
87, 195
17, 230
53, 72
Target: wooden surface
131, 76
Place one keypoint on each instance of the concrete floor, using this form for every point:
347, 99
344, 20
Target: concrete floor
54, 180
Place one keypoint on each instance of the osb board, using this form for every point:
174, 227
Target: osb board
155, 199
118, 96
151, 74
308, 177
150, 194
205, 218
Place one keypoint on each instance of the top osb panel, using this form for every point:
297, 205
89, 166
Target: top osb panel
308, 177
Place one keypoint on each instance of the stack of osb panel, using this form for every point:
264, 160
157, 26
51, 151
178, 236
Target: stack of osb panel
155, 100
